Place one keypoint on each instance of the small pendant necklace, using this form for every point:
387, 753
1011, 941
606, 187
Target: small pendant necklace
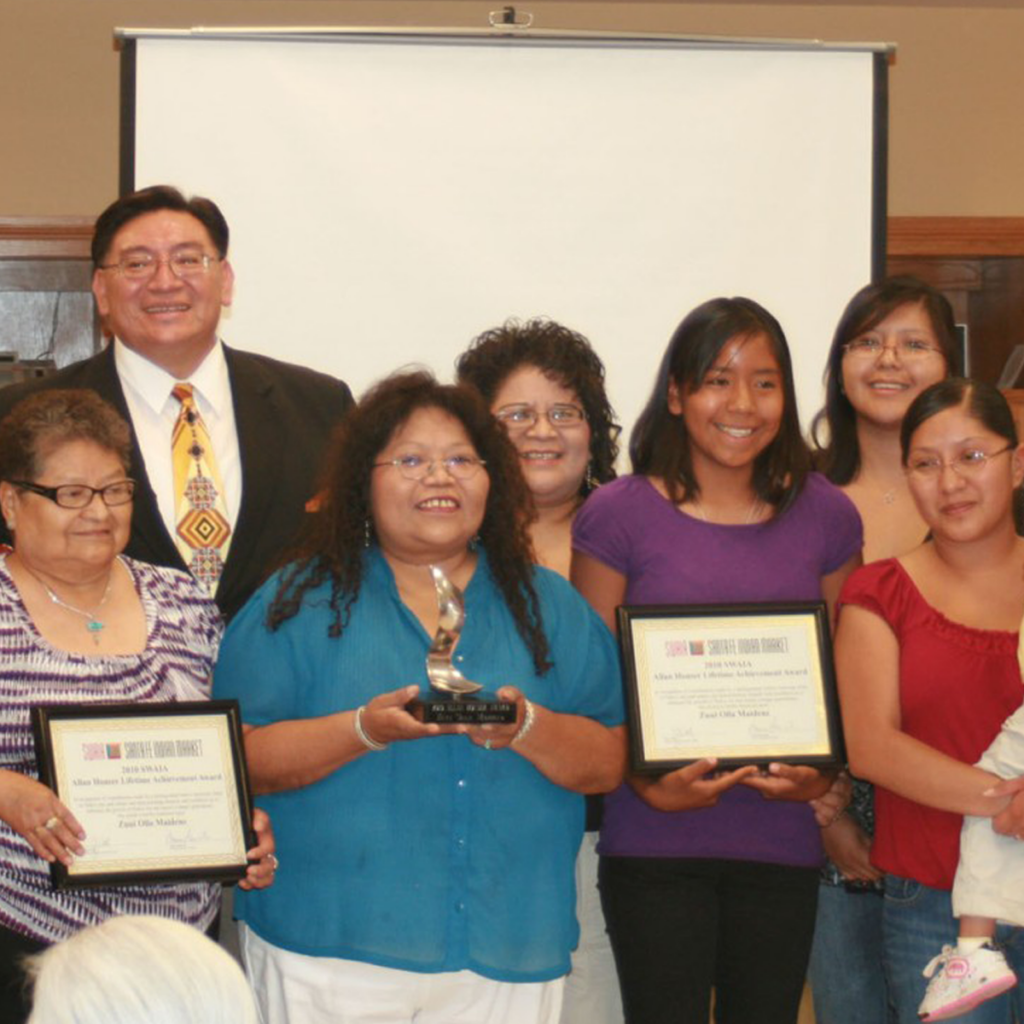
93, 624
756, 507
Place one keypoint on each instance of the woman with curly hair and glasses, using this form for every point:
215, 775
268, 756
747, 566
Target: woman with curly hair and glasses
545, 385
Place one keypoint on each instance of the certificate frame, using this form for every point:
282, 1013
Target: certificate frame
744, 683
167, 797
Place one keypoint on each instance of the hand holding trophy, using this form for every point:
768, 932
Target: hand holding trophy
455, 698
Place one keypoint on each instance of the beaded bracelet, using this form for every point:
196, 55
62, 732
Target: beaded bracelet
364, 737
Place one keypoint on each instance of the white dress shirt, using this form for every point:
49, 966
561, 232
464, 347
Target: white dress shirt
154, 411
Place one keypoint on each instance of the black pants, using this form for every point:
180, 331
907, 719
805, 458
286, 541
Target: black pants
680, 927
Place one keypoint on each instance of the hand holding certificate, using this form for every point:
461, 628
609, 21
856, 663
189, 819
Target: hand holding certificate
745, 685
160, 791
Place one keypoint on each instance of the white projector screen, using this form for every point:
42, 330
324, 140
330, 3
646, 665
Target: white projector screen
390, 196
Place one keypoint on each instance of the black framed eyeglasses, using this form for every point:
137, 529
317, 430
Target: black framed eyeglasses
81, 495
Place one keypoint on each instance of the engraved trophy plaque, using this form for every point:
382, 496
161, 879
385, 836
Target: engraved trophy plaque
453, 697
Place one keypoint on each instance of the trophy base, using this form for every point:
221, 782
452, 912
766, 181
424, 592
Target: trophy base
465, 709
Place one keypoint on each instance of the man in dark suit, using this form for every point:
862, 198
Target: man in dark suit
161, 277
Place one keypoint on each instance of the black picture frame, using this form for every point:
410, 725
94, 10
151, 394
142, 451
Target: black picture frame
149, 798
744, 683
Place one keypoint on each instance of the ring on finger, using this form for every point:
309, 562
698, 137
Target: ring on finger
274, 862
51, 823
487, 744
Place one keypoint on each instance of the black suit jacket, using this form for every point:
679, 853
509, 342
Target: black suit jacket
284, 415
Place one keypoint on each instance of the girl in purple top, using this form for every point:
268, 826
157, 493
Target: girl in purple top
709, 880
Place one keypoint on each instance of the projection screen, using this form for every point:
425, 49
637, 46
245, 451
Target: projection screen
393, 194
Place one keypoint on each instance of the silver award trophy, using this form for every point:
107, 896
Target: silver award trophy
453, 697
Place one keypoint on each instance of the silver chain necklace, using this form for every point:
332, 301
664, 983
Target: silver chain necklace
756, 508
93, 624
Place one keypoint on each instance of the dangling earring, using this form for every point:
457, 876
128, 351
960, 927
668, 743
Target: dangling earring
474, 542
367, 532
589, 480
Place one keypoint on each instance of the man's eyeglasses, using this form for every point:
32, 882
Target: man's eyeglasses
81, 495
416, 467
139, 266
522, 417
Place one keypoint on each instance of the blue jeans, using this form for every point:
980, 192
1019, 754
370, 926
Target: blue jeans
917, 922
846, 973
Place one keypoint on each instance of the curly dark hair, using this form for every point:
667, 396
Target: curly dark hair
41, 423
332, 547
660, 446
838, 456
561, 354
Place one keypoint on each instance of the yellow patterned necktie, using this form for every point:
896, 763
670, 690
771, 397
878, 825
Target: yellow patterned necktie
203, 531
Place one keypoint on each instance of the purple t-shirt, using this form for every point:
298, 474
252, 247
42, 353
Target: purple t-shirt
669, 557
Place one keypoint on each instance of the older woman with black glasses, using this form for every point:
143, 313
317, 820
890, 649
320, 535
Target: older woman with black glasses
81, 623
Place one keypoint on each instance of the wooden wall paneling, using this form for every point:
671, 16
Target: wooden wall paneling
45, 237
996, 316
955, 236
46, 308
978, 263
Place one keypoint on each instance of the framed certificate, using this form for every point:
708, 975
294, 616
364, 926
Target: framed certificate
747, 684
160, 789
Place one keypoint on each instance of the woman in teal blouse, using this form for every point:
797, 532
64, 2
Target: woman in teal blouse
423, 867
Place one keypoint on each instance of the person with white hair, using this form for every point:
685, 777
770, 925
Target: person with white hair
139, 968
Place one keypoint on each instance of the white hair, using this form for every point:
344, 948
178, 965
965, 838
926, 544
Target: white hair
130, 970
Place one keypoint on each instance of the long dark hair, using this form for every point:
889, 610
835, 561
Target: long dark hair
563, 355
838, 454
332, 548
660, 445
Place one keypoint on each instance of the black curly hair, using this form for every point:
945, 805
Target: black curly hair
563, 355
332, 546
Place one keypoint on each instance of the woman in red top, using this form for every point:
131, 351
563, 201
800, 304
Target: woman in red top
926, 654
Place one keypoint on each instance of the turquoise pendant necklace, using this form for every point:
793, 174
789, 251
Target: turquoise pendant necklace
93, 624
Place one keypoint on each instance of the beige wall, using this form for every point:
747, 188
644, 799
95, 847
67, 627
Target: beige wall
957, 85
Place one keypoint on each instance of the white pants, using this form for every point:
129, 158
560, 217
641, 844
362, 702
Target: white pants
990, 877
592, 988
291, 988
